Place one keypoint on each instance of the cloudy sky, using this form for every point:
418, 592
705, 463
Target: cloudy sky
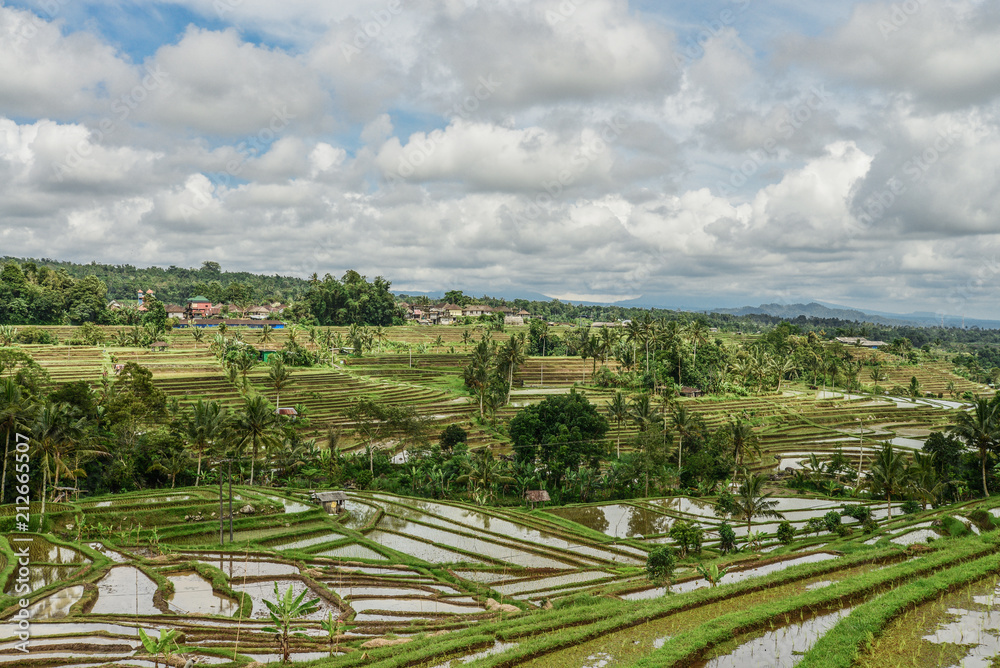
709, 152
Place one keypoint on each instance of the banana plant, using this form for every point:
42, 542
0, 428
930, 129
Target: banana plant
332, 627
713, 574
166, 645
283, 611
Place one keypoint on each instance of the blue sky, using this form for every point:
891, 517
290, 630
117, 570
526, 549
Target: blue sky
695, 152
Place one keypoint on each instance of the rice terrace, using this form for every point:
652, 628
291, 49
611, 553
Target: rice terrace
521, 487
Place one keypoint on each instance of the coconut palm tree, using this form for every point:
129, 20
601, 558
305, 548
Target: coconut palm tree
876, 375
618, 412
54, 432
979, 429
266, 334
642, 412
684, 423
889, 474
203, 428
278, 378
197, 334
15, 408
511, 357
744, 440
750, 501
697, 333
174, 464
254, 426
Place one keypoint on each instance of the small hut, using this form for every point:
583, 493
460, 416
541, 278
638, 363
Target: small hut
535, 496
159, 346
287, 411
333, 502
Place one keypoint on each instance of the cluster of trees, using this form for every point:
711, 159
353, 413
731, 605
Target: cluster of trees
351, 300
37, 295
126, 435
176, 284
489, 375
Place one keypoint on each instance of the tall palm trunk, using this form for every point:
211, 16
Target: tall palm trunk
6, 452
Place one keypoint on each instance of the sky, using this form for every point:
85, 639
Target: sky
683, 154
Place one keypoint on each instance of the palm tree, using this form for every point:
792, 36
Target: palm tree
278, 378
477, 373
889, 474
750, 501
979, 429
254, 426
642, 412
684, 423
618, 412
174, 464
54, 432
15, 407
266, 334
925, 482
785, 368
743, 439
876, 375
914, 387
206, 425
697, 333
511, 356
197, 334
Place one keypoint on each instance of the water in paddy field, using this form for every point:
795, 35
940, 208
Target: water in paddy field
193, 595
498, 648
781, 647
238, 566
616, 520
730, 578
41, 551
959, 629
43, 576
57, 605
259, 591
125, 590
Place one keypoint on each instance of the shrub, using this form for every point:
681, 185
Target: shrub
870, 525
831, 520
910, 506
727, 539
660, 564
844, 530
36, 335
859, 512
815, 525
786, 532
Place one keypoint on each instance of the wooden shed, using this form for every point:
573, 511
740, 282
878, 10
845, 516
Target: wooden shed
535, 496
333, 502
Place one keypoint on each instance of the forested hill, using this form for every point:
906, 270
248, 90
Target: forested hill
176, 284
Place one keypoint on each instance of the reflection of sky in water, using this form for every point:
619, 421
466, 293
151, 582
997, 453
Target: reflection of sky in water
424, 511
781, 647
193, 594
125, 590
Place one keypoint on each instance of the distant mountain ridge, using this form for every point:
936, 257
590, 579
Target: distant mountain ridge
833, 311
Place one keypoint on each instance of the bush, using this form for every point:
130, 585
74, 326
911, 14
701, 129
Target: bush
843, 530
786, 532
660, 564
831, 520
910, 506
815, 525
870, 525
727, 539
36, 335
859, 512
